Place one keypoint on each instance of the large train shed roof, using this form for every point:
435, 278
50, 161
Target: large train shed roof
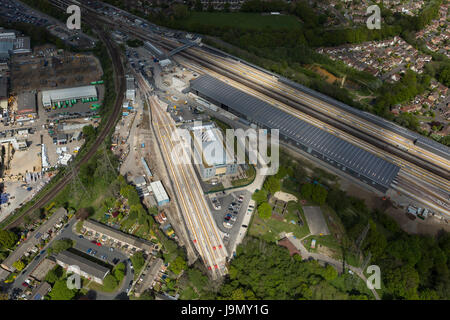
336, 149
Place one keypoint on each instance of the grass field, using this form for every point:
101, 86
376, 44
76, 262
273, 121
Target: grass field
269, 229
242, 20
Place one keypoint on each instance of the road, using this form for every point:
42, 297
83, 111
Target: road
81, 244
328, 260
119, 82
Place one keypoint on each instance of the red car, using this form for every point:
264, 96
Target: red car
99, 244
94, 242
25, 284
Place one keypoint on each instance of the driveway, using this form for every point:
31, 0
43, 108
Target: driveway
81, 244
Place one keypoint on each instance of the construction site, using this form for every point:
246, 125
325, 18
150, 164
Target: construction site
47, 97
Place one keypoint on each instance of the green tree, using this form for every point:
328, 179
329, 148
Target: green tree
265, 210
54, 275
272, 184
319, 194
178, 265
330, 273
307, 191
180, 11
7, 239
19, 265
119, 271
198, 5
402, 282
260, 196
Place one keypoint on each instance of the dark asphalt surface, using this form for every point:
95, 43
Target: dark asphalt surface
82, 245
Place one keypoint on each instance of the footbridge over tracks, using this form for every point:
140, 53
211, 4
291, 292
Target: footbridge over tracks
181, 48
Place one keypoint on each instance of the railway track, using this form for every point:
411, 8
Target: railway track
119, 83
282, 97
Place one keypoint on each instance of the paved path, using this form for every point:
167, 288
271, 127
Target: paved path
81, 244
324, 258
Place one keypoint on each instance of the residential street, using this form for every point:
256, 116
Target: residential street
82, 245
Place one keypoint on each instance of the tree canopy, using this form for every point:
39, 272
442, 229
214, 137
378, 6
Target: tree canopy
7, 239
265, 210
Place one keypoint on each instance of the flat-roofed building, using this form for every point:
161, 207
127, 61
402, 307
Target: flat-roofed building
53, 97
40, 291
88, 269
104, 233
209, 145
335, 151
26, 106
42, 269
3, 92
131, 91
22, 45
159, 192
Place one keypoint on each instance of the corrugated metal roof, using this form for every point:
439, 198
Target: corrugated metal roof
159, 192
336, 149
68, 93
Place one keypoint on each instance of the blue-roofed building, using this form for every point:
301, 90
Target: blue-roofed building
319, 143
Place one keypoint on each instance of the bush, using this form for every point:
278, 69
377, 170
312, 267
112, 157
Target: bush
265, 210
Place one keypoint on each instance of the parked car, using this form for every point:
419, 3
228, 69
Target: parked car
89, 251
80, 236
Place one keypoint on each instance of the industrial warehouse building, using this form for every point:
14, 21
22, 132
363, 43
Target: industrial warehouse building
209, 145
337, 152
54, 97
131, 91
159, 192
26, 106
88, 269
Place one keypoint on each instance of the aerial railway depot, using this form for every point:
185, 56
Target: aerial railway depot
165, 222
341, 154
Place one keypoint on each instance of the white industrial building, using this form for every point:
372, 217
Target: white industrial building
216, 160
159, 192
44, 158
131, 91
51, 97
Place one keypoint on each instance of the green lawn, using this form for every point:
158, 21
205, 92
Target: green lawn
242, 20
269, 229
